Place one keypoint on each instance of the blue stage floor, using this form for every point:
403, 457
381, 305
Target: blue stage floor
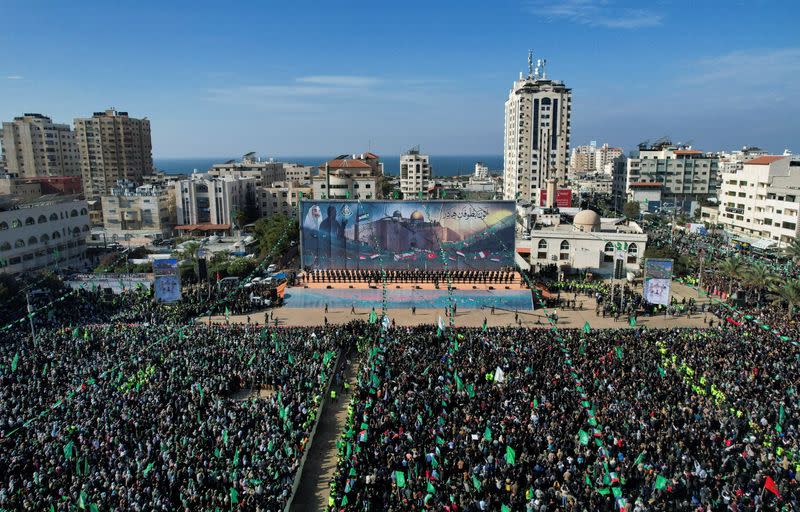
339, 298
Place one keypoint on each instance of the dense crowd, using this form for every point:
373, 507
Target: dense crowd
659, 420
159, 417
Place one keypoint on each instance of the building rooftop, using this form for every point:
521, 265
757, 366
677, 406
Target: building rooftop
346, 164
688, 152
764, 160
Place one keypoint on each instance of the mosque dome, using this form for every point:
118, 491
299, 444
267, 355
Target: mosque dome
417, 215
587, 220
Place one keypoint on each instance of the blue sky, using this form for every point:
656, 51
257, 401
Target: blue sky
322, 78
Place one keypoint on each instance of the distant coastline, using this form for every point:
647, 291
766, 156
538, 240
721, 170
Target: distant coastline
442, 165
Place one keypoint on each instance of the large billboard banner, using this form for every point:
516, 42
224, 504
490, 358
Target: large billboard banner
657, 280
167, 280
407, 234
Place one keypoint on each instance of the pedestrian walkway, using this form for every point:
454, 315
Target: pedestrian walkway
312, 494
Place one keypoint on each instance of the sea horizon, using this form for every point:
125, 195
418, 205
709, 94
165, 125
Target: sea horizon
442, 165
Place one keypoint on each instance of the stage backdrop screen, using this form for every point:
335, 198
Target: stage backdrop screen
407, 234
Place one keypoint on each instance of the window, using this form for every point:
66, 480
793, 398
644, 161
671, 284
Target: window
3, 226
29, 221
83, 211
542, 252
44, 238
56, 235
73, 213
5, 247
53, 216
19, 243
33, 241
41, 220
608, 253
633, 253
564, 254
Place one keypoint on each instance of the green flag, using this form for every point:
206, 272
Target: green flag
632, 321
225, 436
15, 361
604, 491
82, 500
471, 390
419, 194
93, 508
617, 492
460, 384
487, 434
639, 459
511, 455
68, 450
234, 496
619, 353
401, 479
344, 500
253, 358
291, 359
148, 469
661, 482
431, 489
586, 328
584, 437
476, 483
236, 458
505, 508
781, 415
227, 314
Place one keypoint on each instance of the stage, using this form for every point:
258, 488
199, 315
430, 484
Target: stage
344, 297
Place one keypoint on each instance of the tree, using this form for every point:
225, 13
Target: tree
631, 210
275, 234
758, 277
733, 268
788, 292
793, 250
241, 267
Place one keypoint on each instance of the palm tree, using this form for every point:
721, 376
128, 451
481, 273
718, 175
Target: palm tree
788, 292
733, 268
759, 277
793, 250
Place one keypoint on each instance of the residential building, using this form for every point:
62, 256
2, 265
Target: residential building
349, 178
265, 172
589, 243
140, 211
536, 135
582, 160
113, 146
734, 160
20, 190
596, 183
283, 197
685, 175
34, 146
203, 199
415, 174
762, 200
44, 234
604, 158
301, 173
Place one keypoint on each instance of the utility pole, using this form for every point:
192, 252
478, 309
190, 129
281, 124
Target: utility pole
30, 316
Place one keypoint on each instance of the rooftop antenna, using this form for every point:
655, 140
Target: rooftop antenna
538, 65
544, 72
530, 63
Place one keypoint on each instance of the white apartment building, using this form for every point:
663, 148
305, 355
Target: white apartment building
47, 234
582, 159
283, 197
685, 175
203, 199
536, 134
346, 178
604, 158
415, 174
734, 160
34, 146
762, 200
140, 211
265, 172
